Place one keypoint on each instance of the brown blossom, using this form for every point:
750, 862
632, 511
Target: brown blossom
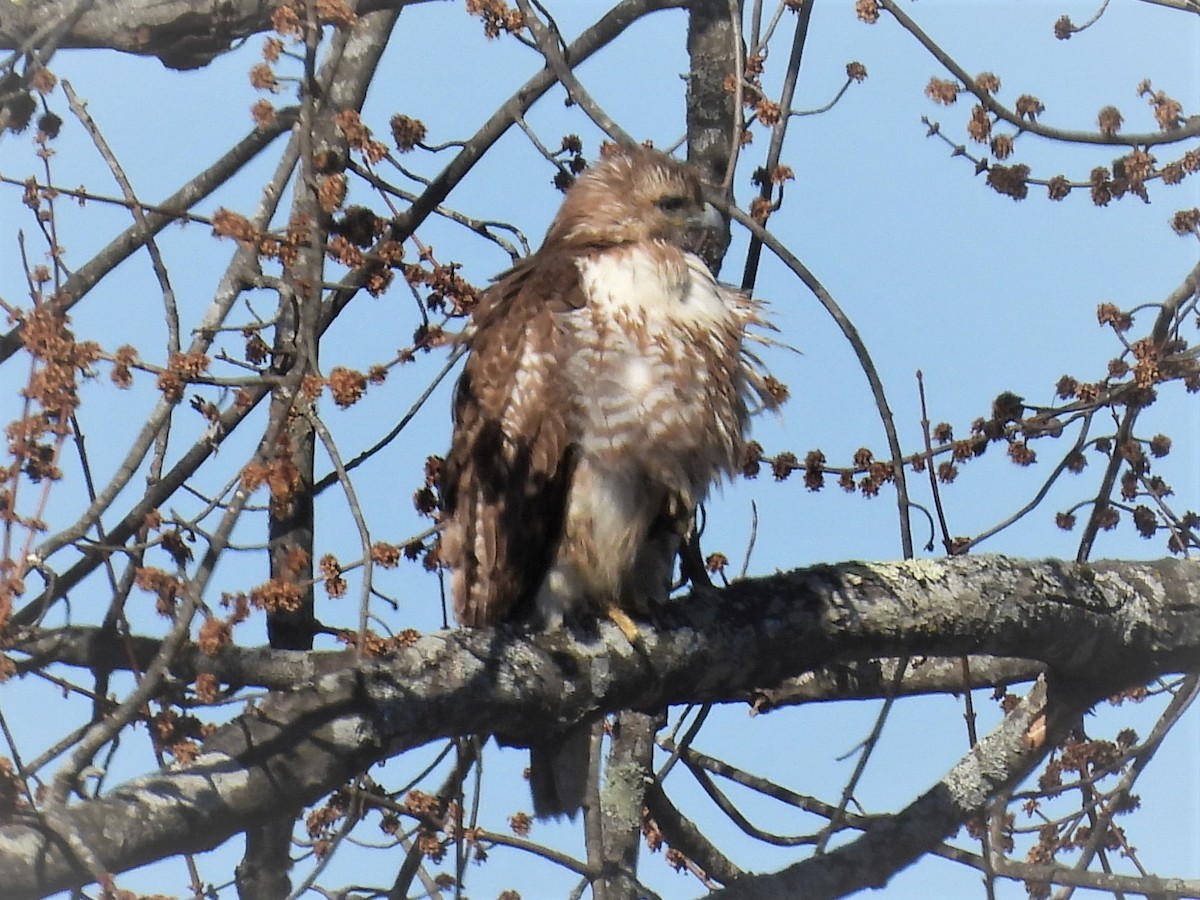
286, 21
1168, 112
43, 80
520, 824
262, 78
784, 464
1186, 221
980, 125
497, 17
1058, 187
1102, 188
1145, 521
942, 91
867, 11
311, 387
1172, 173
358, 135
263, 113
768, 111
1002, 146
342, 251
814, 466
386, 555
1108, 517
1109, 120
407, 132
1012, 181
1110, 314
752, 459
181, 369
206, 687
123, 361
166, 586
988, 81
1029, 107
378, 279
1021, 454
1160, 446
335, 12
215, 634
331, 574
277, 595
331, 192
226, 223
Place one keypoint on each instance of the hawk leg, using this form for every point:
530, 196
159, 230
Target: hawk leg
621, 619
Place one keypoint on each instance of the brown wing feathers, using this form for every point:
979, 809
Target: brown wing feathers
509, 463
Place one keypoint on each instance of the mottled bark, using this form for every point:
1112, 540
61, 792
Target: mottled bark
182, 34
713, 126
1097, 627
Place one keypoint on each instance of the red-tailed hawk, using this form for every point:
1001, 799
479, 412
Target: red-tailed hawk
606, 389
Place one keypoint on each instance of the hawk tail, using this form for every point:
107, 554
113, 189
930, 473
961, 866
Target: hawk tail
558, 773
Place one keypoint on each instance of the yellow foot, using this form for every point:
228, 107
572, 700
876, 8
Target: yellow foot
621, 619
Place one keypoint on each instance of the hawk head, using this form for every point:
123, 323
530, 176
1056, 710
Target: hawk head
632, 196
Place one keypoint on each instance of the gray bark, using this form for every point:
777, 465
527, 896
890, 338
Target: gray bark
1097, 628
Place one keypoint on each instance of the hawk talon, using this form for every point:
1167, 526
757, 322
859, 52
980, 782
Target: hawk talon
621, 619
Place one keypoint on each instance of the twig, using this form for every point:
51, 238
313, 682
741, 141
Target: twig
360, 522
778, 132
549, 42
867, 748
860, 350
1145, 140
327, 480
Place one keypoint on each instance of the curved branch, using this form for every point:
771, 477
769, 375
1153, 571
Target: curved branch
789, 259
1149, 139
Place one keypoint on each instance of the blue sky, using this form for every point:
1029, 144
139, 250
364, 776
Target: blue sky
938, 273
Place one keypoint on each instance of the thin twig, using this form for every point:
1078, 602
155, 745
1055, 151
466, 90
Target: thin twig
851, 334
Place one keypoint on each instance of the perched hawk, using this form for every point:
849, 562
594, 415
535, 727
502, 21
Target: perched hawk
606, 389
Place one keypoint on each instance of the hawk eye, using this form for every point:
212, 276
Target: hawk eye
672, 204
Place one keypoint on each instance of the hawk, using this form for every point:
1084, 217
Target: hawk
606, 388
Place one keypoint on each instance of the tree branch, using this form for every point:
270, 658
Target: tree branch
182, 34
1003, 757
1106, 626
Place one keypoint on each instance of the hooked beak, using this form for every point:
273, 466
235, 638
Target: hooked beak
707, 234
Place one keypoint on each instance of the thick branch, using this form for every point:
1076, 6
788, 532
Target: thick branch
1106, 626
183, 34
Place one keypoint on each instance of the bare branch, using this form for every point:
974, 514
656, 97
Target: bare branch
1134, 619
